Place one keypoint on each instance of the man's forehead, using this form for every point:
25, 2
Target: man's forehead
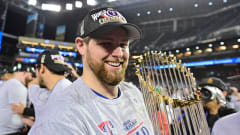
111, 39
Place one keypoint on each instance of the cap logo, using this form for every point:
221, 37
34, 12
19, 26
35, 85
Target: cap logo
210, 80
43, 58
112, 13
57, 59
82, 28
96, 15
109, 15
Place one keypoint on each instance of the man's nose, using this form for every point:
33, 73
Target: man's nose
117, 52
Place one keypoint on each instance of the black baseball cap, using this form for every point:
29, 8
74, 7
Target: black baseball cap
102, 21
7, 70
216, 82
19, 67
53, 61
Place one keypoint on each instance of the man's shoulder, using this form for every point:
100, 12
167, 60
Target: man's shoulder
128, 87
13, 83
77, 86
65, 82
61, 86
232, 118
227, 125
74, 92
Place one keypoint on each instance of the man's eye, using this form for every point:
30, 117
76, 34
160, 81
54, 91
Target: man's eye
124, 45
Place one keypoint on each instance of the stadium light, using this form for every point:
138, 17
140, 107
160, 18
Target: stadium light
51, 7
69, 6
78, 4
235, 46
195, 5
32, 2
92, 2
210, 3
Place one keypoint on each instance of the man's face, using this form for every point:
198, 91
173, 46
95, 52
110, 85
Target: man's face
107, 57
6, 76
28, 77
40, 78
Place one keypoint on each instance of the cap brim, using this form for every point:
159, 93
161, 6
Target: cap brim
58, 68
235, 77
134, 31
210, 84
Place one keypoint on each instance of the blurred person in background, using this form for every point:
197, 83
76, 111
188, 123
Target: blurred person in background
235, 98
229, 125
213, 96
50, 80
12, 92
26, 111
72, 75
7, 74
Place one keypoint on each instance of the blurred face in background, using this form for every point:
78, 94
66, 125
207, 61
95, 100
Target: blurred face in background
6, 76
39, 76
235, 94
29, 77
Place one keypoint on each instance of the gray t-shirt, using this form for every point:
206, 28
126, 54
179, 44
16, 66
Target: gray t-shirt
80, 111
42, 100
38, 96
11, 92
228, 125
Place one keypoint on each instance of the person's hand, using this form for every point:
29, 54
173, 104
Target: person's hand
73, 71
27, 120
213, 106
34, 81
18, 108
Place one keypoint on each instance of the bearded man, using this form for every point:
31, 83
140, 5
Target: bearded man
100, 102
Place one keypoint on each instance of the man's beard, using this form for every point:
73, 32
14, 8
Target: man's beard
27, 80
112, 77
41, 83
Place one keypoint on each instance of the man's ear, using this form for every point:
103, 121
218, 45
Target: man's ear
224, 93
42, 69
80, 45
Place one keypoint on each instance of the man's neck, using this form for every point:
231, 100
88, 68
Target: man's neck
50, 83
100, 87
